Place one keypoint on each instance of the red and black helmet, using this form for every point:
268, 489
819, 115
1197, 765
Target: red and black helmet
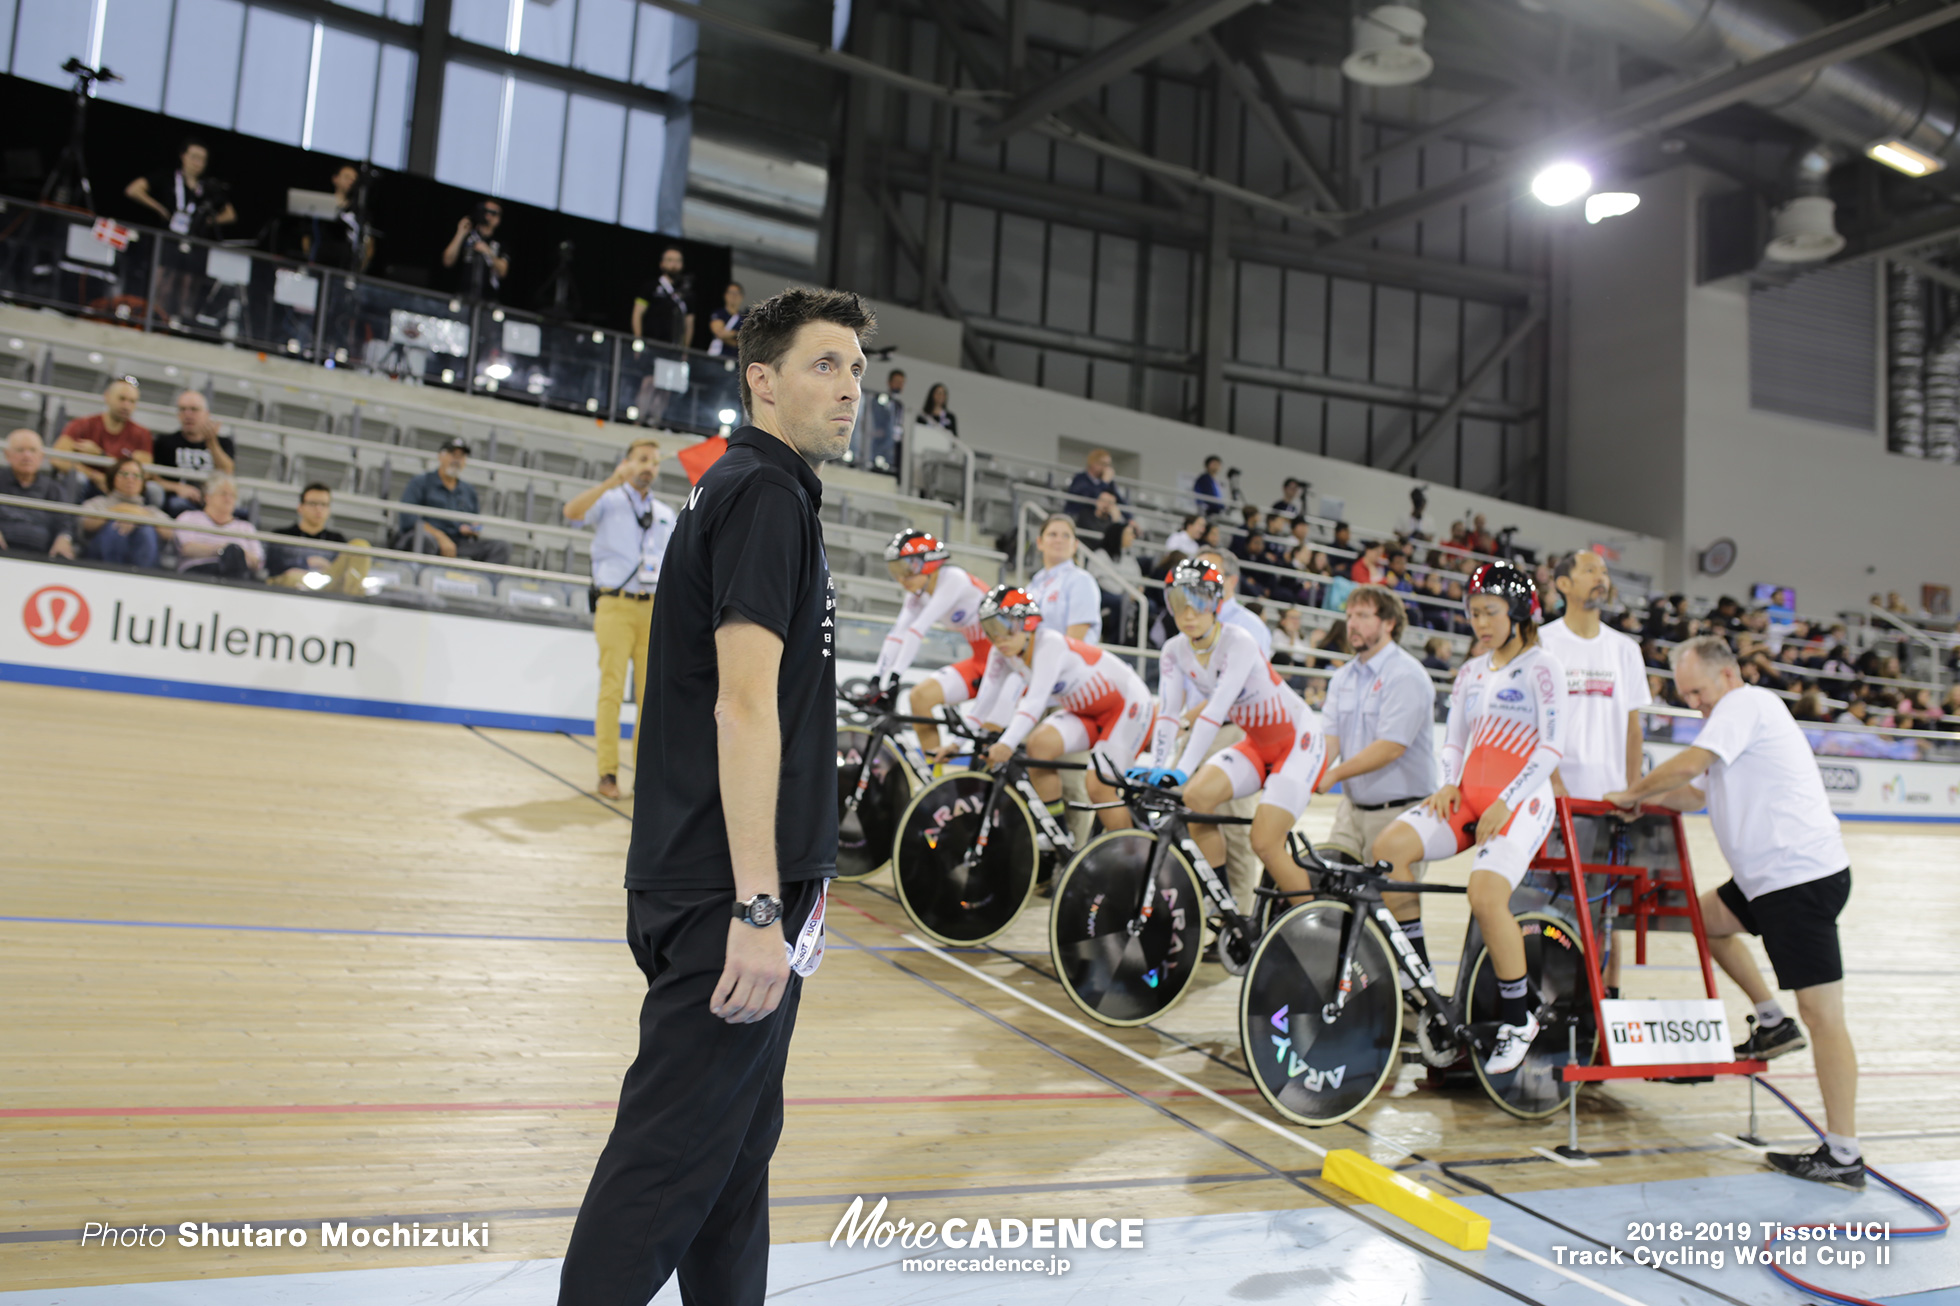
1194, 583
914, 553
1502, 580
1008, 609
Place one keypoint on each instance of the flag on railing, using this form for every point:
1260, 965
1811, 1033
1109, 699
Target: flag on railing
111, 233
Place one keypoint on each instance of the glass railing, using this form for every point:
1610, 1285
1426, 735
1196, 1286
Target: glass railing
156, 281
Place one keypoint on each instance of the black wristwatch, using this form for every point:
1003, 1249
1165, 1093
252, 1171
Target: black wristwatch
759, 911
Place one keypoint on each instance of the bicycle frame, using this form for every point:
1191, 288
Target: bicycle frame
1014, 772
1164, 815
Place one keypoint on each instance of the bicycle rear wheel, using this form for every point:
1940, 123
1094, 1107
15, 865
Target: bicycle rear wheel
864, 836
955, 900
1313, 1072
1556, 966
1122, 967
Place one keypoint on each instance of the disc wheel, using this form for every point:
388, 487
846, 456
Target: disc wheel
865, 835
1556, 966
1123, 956
1314, 1073
955, 897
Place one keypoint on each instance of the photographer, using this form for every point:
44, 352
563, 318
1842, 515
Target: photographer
190, 204
474, 245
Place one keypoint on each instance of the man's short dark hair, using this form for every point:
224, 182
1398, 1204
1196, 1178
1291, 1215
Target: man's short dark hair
1213, 459
189, 141
1293, 480
321, 486
1340, 526
896, 371
771, 326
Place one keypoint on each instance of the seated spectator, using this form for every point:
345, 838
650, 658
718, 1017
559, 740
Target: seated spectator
1433, 601
1250, 542
135, 542
1856, 713
1453, 604
196, 445
1727, 616
1206, 491
1371, 566
1108, 513
935, 412
1950, 709
1481, 540
444, 487
1459, 539
1189, 536
1436, 653
111, 433
29, 530
1097, 476
1398, 577
1896, 605
1415, 526
1343, 540
291, 564
1119, 610
1301, 531
1810, 706
1293, 498
1332, 640
202, 545
1291, 647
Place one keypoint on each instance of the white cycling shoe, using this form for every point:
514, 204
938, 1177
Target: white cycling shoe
1513, 1041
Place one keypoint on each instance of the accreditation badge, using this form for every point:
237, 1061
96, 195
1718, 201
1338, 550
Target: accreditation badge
806, 953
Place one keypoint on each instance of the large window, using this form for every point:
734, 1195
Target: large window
233, 65
521, 139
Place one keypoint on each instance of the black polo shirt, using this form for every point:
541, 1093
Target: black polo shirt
747, 543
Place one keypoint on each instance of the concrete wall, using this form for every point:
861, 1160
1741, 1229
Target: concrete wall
1663, 439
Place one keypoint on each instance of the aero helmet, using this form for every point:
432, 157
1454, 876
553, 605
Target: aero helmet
1006, 610
1506, 582
914, 553
1194, 583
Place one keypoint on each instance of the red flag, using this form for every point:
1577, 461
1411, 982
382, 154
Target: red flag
111, 233
697, 459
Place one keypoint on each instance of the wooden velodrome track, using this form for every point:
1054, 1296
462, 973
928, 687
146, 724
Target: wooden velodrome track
266, 965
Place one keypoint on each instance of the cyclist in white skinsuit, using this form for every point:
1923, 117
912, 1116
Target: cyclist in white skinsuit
1103, 705
1504, 743
1283, 752
937, 593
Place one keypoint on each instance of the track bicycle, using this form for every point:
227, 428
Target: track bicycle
877, 774
972, 843
1127, 927
1321, 1012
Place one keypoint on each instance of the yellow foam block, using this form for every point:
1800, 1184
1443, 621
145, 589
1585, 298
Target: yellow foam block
1423, 1207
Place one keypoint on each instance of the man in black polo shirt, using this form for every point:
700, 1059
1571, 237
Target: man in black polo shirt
734, 831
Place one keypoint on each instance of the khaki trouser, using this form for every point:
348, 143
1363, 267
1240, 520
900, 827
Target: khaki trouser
344, 576
1355, 831
622, 627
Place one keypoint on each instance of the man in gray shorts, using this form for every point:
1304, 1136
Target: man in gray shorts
1380, 720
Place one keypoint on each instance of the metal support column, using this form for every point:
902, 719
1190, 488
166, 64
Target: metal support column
1218, 316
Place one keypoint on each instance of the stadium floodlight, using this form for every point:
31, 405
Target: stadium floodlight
1897, 154
499, 371
1561, 183
1610, 204
728, 416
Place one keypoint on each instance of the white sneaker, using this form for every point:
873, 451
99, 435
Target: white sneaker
1513, 1041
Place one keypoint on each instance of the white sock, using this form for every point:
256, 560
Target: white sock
1770, 1013
1843, 1150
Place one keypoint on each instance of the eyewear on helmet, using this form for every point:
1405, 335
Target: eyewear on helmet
903, 569
1183, 598
1000, 629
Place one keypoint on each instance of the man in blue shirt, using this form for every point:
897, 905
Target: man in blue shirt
1210, 495
629, 539
1097, 477
443, 488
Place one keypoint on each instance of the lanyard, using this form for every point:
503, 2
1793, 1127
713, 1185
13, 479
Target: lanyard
646, 516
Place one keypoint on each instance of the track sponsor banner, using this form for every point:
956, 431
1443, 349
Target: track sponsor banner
1665, 1031
162, 635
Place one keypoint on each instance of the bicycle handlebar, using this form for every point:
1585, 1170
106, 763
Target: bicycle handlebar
1155, 799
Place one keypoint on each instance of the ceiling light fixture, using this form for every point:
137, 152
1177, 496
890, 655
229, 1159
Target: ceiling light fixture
1388, 47
1561, 183
1610, 204
1897, 154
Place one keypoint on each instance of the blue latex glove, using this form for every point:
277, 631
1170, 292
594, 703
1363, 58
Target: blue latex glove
1140, 775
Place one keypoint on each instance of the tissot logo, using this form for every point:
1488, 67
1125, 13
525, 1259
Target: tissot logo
1840, 779
55, 615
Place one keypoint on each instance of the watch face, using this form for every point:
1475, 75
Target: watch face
764, 910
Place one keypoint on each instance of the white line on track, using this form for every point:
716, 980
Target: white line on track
1206, 1093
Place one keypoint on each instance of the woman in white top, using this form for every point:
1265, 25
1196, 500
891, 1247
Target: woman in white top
1070, 599
1185, 539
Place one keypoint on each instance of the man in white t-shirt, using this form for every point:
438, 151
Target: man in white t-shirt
1792, 877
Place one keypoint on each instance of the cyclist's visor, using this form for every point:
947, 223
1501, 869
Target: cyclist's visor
997, 629
1183, 598
906, 567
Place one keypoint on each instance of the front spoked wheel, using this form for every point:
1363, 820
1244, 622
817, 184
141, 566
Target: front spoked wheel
865, 834
953, 891
1314, 1072
1123, 956
1555, 964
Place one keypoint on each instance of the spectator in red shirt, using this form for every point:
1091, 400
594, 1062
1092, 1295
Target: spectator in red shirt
111, 432
1481, 539
1371, 566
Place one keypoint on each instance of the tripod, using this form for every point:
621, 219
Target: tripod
67, 185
